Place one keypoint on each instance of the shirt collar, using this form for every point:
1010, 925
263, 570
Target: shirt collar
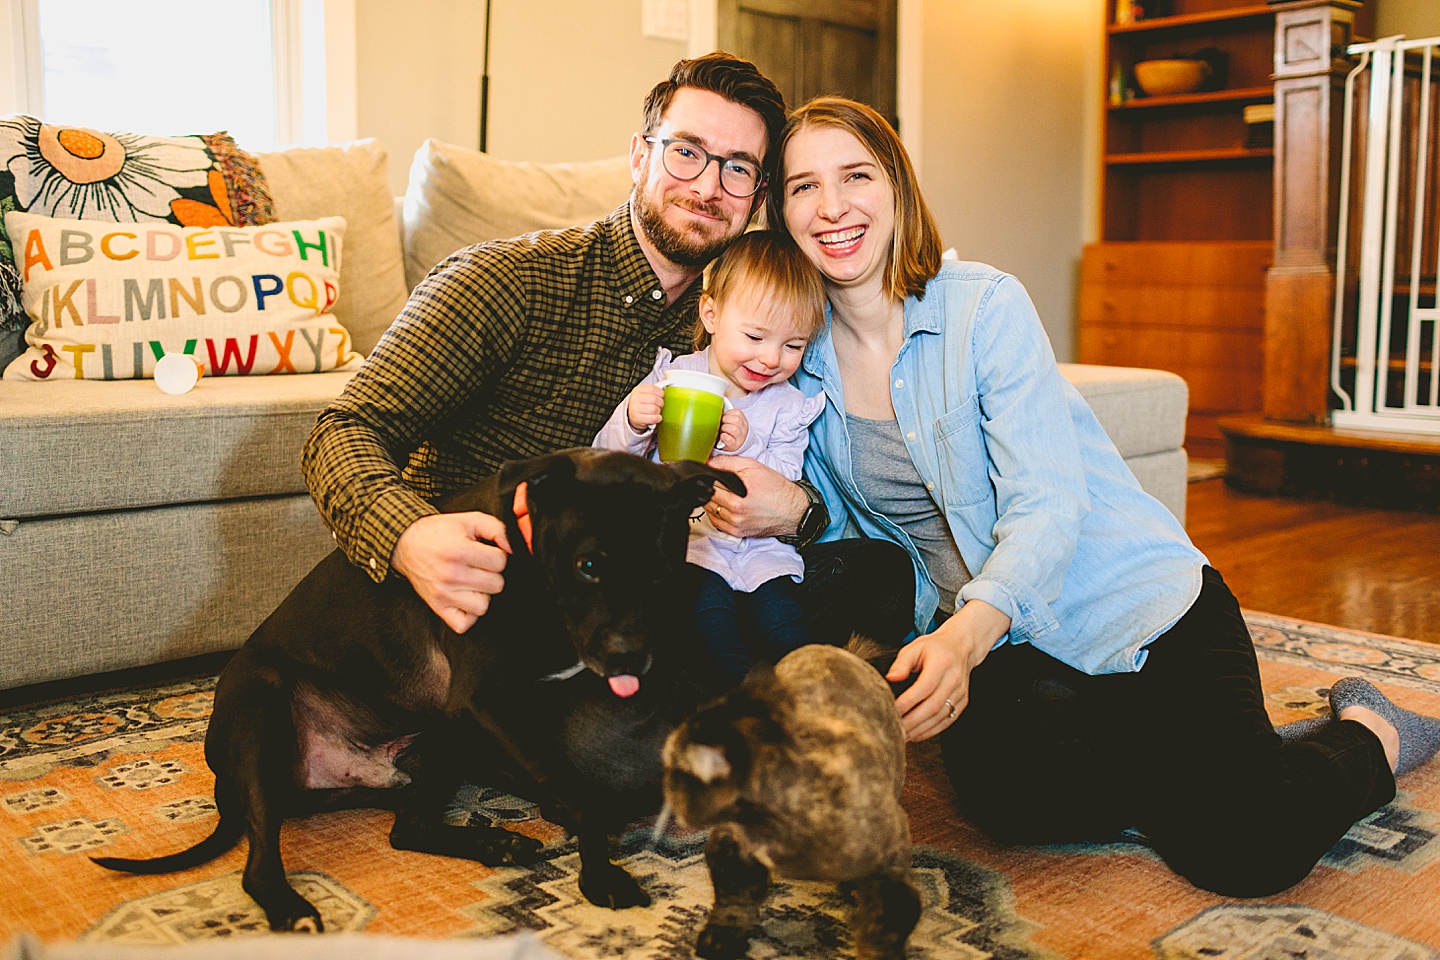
921, 316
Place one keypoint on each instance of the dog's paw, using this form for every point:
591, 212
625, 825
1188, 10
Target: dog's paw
299, 918
502, 848
718, 942
613, 888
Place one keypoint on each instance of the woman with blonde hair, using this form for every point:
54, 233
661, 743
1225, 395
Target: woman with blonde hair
1084, 667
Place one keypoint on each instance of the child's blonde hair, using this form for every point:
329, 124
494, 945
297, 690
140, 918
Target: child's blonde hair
769, 263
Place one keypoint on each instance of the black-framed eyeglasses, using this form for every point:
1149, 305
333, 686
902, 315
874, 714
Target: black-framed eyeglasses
684, 160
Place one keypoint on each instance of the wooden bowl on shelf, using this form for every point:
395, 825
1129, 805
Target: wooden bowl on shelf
1160, 78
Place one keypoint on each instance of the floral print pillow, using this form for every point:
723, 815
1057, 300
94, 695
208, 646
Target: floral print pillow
79, 174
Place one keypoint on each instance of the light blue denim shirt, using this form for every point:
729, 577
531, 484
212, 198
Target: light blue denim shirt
1088, 566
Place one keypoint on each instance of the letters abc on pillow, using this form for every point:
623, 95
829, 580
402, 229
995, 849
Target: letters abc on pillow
60, 171
107, 300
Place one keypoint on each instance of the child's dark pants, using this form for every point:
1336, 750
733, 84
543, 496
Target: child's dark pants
740, 629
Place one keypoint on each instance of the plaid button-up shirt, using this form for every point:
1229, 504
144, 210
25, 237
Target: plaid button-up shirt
508, 349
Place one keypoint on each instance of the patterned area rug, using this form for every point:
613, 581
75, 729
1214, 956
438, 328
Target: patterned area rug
123, 772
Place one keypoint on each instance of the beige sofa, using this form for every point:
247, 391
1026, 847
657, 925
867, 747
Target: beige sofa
138, 527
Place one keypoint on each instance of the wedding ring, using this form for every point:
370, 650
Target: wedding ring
951, 707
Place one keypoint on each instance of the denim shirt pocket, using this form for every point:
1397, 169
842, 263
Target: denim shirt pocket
964, 464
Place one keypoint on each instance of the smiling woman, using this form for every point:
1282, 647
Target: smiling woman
1057, 604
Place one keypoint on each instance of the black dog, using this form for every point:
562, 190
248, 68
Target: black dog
567, 686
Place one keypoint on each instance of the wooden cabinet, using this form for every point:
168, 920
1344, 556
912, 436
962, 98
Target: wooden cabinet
1195, 308
1178, 279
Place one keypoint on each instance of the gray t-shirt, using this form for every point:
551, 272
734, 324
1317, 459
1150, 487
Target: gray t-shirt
889, 482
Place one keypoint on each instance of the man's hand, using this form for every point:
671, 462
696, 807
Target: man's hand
771, 507
643, 407
734, 428
944, 660
447, 560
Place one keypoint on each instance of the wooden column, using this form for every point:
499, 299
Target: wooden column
1310, 68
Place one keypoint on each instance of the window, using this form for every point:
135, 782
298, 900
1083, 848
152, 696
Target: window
258, 68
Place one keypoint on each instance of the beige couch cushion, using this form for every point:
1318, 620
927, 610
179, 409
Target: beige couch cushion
83, 446
1143, 411
348, 181
458, 196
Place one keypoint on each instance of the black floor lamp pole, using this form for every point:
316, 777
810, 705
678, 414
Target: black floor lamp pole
485, 84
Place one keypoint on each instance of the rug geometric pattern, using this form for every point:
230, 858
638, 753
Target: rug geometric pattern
124, 772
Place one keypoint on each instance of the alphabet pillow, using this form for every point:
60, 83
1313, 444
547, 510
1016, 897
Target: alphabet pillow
107, 300
59, 171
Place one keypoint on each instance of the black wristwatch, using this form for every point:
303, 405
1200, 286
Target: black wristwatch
813, 521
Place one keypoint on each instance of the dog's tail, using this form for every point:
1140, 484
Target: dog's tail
227, 833
880, 657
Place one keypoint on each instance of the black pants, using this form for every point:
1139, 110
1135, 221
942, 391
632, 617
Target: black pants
1181, 750
857, 586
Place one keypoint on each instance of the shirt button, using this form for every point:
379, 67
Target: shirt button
930, 486
629, 299
910, 435
373, 564
656, 294
899, 384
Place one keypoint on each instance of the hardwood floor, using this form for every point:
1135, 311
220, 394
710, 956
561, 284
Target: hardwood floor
1374, 570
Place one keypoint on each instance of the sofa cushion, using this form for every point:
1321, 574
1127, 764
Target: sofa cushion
1163, 476
65, 443
107, 301
348, 181
1143, 411
458, 196
114, 590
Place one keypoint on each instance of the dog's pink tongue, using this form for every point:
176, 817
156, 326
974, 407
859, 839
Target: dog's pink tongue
624, 685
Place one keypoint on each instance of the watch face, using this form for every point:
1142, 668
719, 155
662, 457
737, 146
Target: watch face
809, 522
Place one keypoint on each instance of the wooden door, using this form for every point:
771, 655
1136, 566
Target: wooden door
841, 47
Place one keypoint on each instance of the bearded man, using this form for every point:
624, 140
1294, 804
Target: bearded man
515, 348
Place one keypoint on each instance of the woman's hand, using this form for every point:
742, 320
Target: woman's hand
772, 506
944, 660
643, 407
734, 428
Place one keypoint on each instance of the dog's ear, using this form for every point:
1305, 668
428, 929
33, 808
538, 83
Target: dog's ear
705, 762
695, 482
537, 471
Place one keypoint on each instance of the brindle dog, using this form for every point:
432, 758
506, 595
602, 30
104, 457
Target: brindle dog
564, 687
799, 773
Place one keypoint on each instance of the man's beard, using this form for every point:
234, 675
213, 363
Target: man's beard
679, 247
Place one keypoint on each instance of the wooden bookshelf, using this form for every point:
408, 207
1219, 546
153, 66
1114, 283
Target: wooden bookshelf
1178, 279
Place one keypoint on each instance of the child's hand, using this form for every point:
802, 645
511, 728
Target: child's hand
734, 428
643, 409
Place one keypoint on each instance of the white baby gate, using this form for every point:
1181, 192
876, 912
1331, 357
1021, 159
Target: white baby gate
1395, 350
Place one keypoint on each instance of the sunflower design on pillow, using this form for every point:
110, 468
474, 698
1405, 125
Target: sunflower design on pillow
81, 174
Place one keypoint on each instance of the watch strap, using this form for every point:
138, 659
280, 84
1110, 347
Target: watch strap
813, 521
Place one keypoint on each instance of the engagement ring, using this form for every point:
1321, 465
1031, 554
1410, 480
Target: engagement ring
951, 707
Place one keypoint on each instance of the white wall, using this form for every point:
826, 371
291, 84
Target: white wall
1005, 125
567, 77
1414, 18
418, 74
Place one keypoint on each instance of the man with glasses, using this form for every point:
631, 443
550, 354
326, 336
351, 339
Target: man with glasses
515, 348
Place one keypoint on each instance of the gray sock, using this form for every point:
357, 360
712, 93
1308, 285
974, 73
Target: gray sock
1299, 729
1419, 734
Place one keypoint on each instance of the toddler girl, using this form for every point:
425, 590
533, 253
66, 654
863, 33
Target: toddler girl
763, 302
